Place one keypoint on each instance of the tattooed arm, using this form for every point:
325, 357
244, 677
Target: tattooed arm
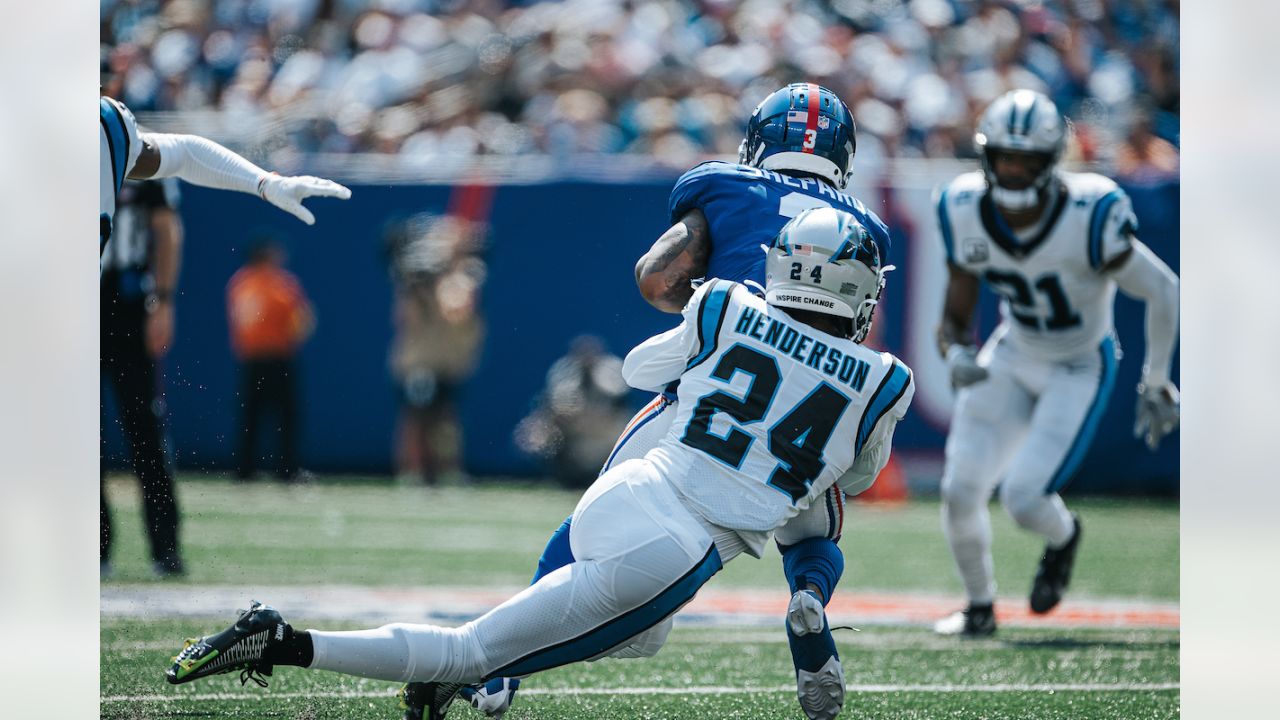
664, 273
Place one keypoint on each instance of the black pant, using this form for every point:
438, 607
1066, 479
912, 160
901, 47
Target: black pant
131, 372
266, 385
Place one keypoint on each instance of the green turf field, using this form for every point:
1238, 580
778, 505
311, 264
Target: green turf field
370, 534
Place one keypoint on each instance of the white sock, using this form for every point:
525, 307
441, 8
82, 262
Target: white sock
400, 652
968, 531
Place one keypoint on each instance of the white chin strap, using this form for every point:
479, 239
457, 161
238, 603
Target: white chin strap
1015, 199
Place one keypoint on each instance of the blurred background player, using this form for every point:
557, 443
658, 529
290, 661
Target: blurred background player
438, 271
797, 154
1055, 246
819, 409
127, 153
139, 278
269, 317
578, 414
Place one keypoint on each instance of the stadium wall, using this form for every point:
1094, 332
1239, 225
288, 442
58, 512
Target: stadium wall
560, 257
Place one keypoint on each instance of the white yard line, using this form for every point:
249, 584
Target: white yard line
708, 690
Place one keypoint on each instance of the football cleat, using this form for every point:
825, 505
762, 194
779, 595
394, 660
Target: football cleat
239, 647
821, 693
973, 621
428, 700
492, 698
819, 674
1054, 573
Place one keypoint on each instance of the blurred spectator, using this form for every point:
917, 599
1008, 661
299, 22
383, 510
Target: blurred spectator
270, 317
1146, 158
579, 413
139, 276
438, 273
428, 81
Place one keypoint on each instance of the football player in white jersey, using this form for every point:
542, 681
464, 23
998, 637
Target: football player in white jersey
128, 153
1055, 246
778, 401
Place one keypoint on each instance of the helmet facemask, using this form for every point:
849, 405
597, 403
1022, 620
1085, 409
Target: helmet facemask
1021, 121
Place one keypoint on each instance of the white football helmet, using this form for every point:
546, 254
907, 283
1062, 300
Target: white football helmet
1021, 121
825, 261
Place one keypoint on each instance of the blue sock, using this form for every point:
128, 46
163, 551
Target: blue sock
813, 560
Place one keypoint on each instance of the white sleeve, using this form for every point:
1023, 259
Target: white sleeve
656, 362
1146, 277
200, 161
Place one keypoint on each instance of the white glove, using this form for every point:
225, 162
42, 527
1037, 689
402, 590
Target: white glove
805, 614
1158, 412
287, 193
962, 361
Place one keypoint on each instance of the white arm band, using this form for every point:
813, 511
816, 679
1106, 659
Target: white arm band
200, 161
1146, 277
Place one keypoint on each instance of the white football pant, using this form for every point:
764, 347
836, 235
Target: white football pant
640, 556
1026, 427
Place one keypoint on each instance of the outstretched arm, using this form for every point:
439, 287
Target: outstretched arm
955, 333
203, 162
1142, 275
664, 274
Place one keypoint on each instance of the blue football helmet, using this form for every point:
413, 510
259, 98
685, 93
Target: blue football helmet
802, 127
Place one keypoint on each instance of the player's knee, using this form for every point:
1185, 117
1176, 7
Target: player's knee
961, 491
1021, 501
646, 644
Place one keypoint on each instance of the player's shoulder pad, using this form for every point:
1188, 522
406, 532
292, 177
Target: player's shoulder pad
706, 311
1112, 223
964, 190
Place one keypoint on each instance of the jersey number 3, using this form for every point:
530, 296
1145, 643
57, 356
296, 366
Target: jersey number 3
797, 440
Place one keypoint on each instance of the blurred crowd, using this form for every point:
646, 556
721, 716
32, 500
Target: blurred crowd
674, 79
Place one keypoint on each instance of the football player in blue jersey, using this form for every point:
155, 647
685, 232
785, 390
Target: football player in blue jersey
125, 152
797, 154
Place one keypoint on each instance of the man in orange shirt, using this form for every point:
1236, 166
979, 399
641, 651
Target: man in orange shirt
270, 317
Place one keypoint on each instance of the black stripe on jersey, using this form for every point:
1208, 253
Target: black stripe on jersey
1002, 237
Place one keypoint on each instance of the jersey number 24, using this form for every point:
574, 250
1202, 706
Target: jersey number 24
797, 440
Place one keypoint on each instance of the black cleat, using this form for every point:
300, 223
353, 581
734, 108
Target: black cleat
973, 621
428, 700
239, 647
1054, 573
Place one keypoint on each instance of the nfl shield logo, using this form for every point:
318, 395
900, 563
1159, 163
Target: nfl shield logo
823, 122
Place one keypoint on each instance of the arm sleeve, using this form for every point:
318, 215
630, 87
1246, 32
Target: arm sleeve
1111, 228
203, 162
1146, 277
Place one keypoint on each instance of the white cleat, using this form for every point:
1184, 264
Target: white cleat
821, 693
